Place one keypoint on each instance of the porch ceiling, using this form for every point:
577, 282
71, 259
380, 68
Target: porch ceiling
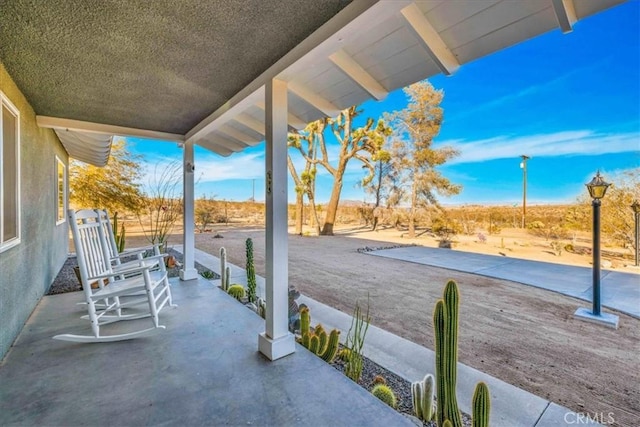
195, 70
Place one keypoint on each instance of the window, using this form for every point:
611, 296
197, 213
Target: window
61, 186
9, 174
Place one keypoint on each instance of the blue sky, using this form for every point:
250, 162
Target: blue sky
569, 101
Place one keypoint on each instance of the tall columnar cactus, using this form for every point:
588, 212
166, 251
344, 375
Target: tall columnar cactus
118, 234
251, 272
445, 324
227, 275
317, 341
481, 406
422, 398
223, 268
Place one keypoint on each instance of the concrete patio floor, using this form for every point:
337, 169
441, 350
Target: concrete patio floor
204, 369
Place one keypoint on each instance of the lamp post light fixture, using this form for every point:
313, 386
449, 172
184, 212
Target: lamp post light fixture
523, 166
597, 189
636, 213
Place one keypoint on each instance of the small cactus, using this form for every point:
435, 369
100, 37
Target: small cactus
422, 398
317, 340
379, 379
331, 348
223, 269
345, 353
385, 394
262, 308
251, 272
481, 406
236, 291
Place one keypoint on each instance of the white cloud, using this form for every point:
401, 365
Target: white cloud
237, 166
579, 142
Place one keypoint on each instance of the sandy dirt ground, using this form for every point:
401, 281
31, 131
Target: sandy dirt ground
520, 334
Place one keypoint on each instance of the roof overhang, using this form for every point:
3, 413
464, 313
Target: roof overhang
366, 50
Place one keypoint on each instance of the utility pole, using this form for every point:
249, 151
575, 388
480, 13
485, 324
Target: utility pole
253, 190
523, 166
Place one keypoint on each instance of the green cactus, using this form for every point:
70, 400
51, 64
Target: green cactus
118, 235
447, 423
314, 344
445, 324
386, 394
438, 326
317, 340
481, 406
332, 346
227, 275
236, 291
223, 269
355, 342
251, 272
305, 320
262, 308
422, 398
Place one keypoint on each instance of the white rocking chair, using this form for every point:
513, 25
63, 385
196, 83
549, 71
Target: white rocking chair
114, 295
112, 247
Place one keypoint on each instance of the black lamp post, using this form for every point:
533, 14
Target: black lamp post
597, 189
636, 213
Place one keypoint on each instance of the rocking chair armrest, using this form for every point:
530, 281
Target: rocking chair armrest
135, 251
136, 269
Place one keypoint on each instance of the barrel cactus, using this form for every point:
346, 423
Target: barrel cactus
386, 394
236, 291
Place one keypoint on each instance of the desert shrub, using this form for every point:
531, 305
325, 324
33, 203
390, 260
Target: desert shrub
208, 274
355, 342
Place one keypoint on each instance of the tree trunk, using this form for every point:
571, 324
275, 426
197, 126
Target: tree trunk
378, 196
332, 207
412, 210
314, 213
299, 211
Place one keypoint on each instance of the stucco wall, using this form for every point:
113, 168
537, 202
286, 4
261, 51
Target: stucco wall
28, 269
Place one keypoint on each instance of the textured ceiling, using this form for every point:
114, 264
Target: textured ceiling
158, 65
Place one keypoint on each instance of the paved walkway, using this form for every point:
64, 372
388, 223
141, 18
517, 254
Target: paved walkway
619, 291
510, 406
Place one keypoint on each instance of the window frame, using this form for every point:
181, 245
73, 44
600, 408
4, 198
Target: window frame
61, 217
5, 102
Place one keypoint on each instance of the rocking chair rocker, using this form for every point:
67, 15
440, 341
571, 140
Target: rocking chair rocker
115, 294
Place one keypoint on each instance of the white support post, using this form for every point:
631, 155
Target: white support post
276, 341
188, 271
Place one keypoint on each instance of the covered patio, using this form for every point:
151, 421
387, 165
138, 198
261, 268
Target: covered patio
202, 370
227, 75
